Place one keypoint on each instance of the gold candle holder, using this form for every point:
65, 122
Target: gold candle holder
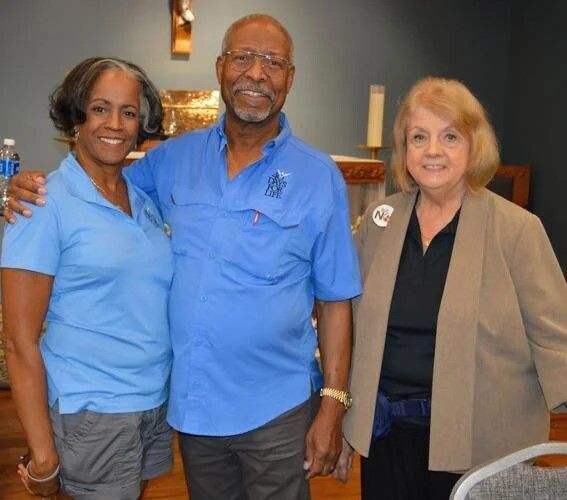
373, 150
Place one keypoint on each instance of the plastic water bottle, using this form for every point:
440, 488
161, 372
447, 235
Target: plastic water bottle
9, 166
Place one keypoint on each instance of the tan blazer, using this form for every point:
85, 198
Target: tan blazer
501, 342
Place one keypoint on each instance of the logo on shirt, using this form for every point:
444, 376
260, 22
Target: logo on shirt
276, 184
381, 215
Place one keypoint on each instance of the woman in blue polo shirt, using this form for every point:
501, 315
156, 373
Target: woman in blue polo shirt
96, 264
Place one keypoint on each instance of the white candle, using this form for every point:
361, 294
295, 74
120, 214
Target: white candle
375, 116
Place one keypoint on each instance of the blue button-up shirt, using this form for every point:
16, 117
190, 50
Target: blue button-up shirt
251, 254
107, 346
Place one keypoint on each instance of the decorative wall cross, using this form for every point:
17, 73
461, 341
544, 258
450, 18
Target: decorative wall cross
182, 18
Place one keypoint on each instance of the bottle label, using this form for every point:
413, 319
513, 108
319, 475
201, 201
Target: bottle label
8, 168
15, 167
4, 166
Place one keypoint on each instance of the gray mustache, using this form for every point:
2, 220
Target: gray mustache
265, 92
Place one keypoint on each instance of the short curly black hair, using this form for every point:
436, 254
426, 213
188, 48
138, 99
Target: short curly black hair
68, 101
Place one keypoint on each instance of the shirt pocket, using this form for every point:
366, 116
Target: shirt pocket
190, 218
259, 248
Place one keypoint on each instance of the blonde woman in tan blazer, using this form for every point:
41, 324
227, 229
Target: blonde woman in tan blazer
463, 323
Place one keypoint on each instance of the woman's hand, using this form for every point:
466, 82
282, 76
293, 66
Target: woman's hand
344, 463
25, 298
26, 186
44, 485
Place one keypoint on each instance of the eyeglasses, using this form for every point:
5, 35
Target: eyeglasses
242, 60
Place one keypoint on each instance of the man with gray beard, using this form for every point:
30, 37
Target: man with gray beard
261, 234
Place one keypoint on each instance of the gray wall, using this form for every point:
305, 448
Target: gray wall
511, 54
341, 48
536, 110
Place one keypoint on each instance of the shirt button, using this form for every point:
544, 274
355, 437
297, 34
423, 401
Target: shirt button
198, 341
212, 254
224, 214
203, 298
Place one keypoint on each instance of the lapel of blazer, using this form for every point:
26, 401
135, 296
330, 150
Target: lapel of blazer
371, 317
455, 346
381, 279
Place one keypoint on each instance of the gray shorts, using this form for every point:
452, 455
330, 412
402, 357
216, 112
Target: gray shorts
108, 455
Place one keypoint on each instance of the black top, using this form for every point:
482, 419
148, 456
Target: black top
407, 366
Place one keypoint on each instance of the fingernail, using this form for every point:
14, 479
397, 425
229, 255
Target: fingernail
26, 213
41, 190
40, 202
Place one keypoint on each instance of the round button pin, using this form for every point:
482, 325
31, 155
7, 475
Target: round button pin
381, 215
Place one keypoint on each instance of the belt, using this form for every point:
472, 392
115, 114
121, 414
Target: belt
411, 408
386, 409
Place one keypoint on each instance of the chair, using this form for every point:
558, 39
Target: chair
511, 478
512, 183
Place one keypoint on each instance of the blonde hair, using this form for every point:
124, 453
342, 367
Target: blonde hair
452, 101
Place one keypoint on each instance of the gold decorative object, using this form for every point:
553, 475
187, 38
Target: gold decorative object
186, 110
355, 226
373, 150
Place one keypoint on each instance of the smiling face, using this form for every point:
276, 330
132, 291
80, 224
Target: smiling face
437, 154
112, 111
253, 95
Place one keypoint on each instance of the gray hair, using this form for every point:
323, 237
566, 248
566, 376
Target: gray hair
67, 102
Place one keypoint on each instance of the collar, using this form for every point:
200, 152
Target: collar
269, 147
415, 232
79, 184
450, 227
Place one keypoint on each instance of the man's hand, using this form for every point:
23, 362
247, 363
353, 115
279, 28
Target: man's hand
323, 442
26, 186
344, 463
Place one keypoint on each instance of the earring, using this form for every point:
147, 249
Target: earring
76, 135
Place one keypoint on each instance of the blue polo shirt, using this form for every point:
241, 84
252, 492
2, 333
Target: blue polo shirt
251, 254
107, 346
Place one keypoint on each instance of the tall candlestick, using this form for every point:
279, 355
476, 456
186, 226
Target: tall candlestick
375, 116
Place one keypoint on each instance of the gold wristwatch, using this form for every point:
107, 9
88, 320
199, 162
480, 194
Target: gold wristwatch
342, 396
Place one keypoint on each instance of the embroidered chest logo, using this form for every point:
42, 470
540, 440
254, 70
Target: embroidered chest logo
276, 184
